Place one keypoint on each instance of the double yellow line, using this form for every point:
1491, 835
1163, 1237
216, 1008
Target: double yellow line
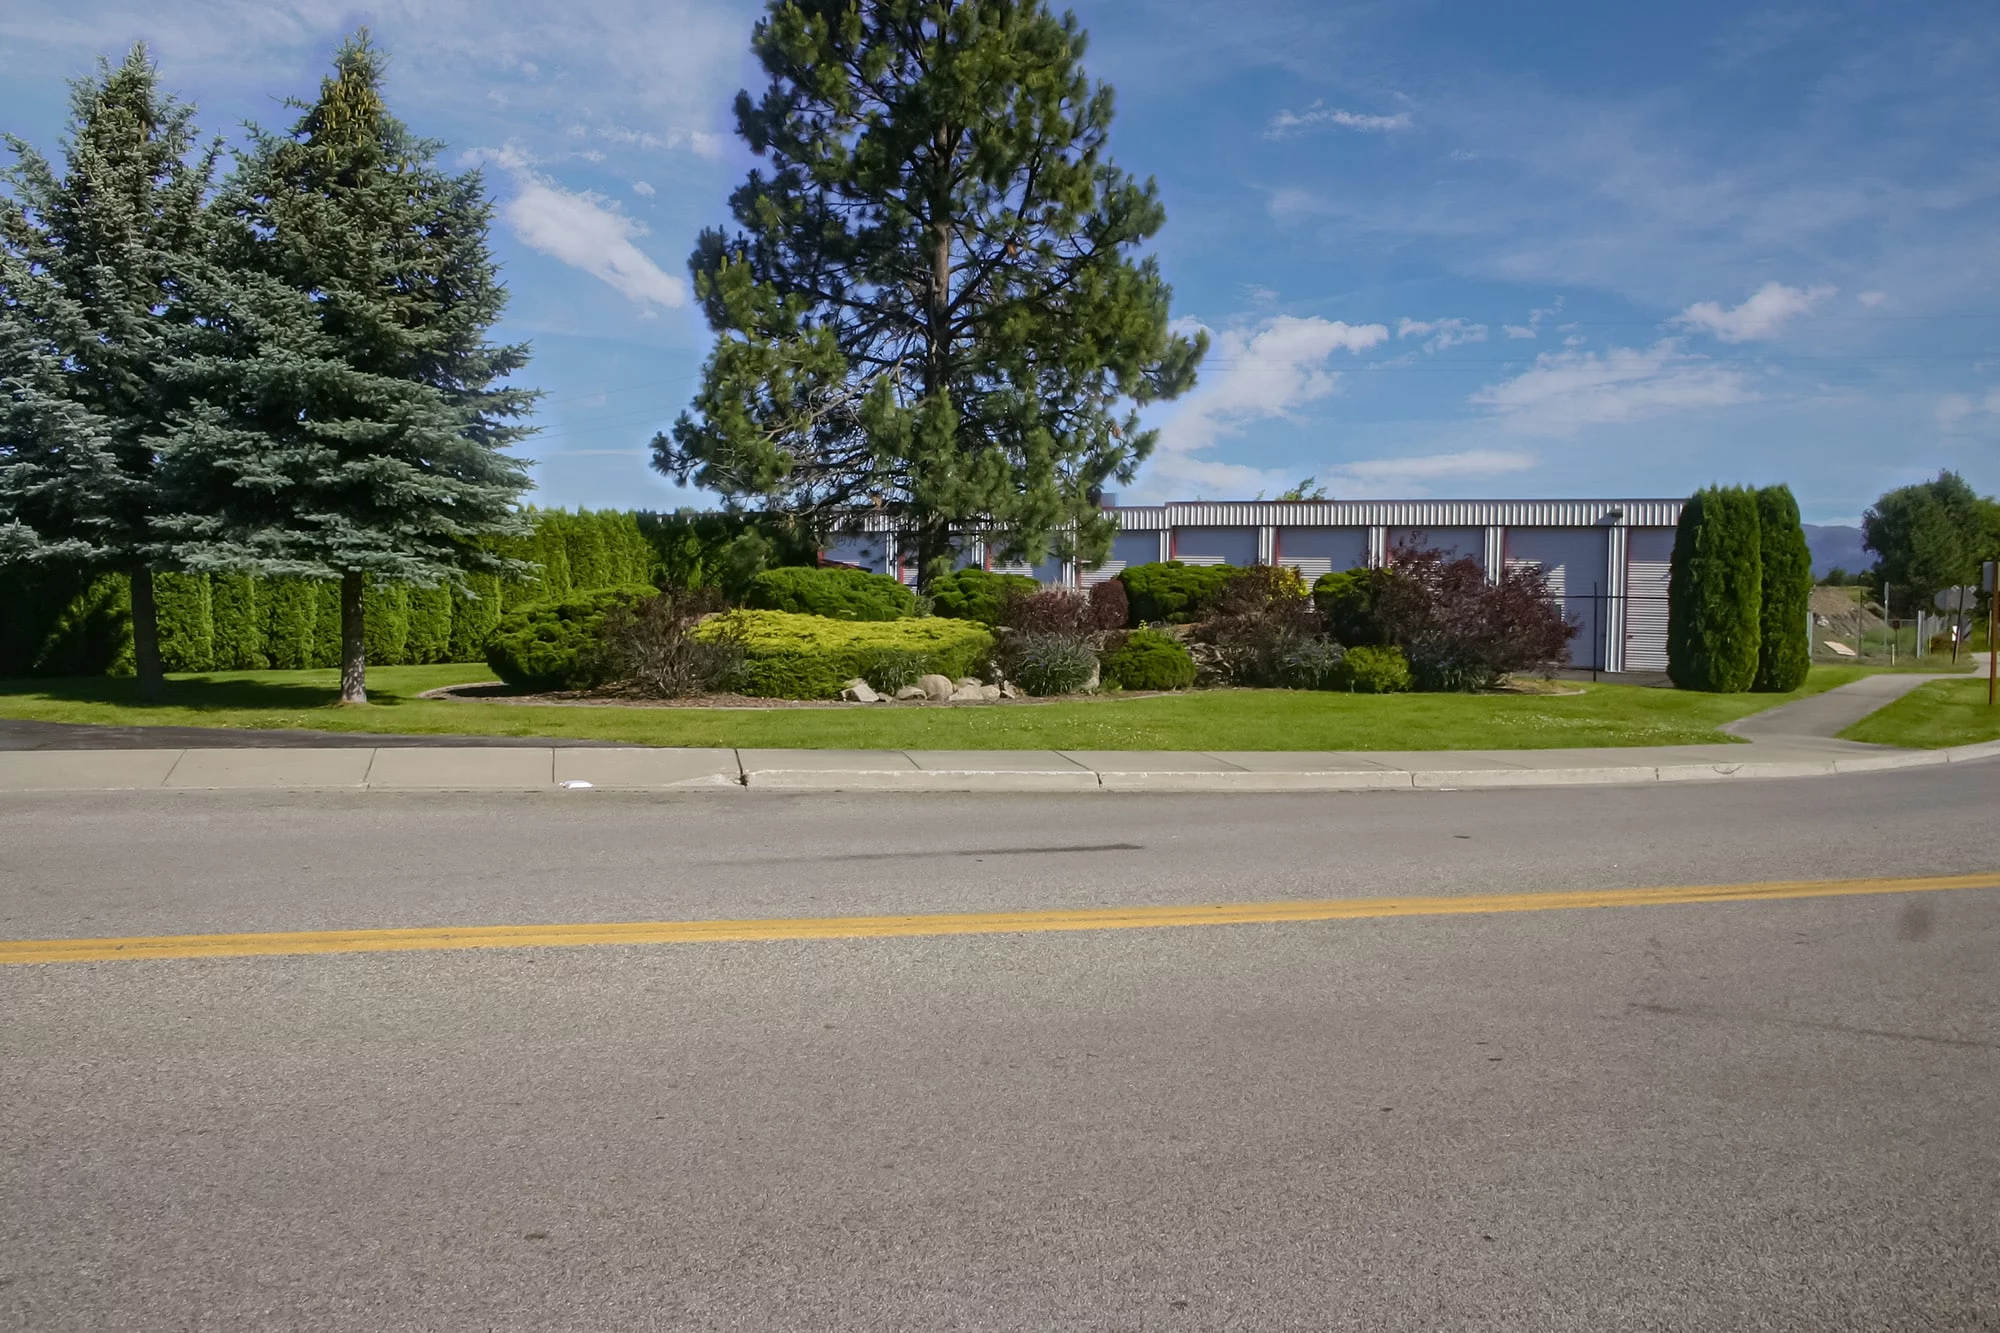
432, 938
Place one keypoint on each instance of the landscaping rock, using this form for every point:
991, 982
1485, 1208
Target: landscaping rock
967, 694
964, 681
860, 692
1007, 690
990, 693
936, 687
909, 692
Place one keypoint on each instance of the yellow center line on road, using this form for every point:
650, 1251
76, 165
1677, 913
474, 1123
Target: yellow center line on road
426, 938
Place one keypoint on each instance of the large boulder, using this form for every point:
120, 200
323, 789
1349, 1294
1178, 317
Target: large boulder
936, 688
860, 692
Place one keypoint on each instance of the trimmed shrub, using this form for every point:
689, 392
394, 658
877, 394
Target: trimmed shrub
1784, 649
1373, 669
475, 614
652, 646
558, 644
238, 622
385, 623
1170, 592
891, 669
1110, 607
1049, 611
1313, 665
1345, 600
837, 594
430, 625
1147, 659
976, 594
1047, 664
1715, 593
792, 656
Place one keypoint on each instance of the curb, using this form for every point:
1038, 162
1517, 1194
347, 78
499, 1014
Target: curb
528, 769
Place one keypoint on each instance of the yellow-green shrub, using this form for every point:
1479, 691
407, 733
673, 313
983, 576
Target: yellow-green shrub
791, 656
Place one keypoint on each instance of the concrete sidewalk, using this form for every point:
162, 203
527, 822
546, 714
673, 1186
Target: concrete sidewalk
543, 768
1797, 740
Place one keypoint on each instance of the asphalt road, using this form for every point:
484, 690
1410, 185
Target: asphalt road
1761, 1115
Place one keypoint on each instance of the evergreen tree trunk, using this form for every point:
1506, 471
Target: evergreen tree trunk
353, 641
146, 634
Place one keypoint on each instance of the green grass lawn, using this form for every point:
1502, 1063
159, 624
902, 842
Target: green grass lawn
1944, 712
1205, 720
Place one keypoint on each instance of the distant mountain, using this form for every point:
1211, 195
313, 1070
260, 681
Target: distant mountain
1836, 546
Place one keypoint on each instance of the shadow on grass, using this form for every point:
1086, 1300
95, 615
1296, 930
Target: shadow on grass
197, 693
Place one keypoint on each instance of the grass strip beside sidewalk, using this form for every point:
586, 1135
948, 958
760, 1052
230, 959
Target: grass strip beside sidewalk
1931, 717
1602, 715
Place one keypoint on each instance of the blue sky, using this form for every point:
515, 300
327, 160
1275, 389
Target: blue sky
1443, 248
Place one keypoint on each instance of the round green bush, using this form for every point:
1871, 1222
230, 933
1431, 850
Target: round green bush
1313, 665
975, 594
890, 669
1170, 591
1046, 664
1373, 670
1148, 660
557, 645
837, 594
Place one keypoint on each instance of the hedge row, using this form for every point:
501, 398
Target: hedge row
61, 622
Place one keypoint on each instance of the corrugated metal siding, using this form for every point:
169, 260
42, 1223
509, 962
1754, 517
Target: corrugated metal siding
1400, 514
1573, 560
1452, 541
1127, 548
1317, 551
1215, 545
1648, 556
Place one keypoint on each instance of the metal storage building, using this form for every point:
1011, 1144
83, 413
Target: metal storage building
1605, 559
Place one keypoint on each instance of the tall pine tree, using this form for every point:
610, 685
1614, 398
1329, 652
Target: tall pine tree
931, 310
94, 258
353, 424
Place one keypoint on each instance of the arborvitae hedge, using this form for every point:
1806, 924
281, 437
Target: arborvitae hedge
77, 622
1715, 593
291, 623
239, 622
430, 625
1784, 653
187, 622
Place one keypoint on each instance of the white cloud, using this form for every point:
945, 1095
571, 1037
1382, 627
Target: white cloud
1872, 299
643, 189
1767, 310
1958, 412
1255, 374
1517, 331
585, 231
1442, 333
1565, 391
1432, 467
1378, 478
1321, 116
